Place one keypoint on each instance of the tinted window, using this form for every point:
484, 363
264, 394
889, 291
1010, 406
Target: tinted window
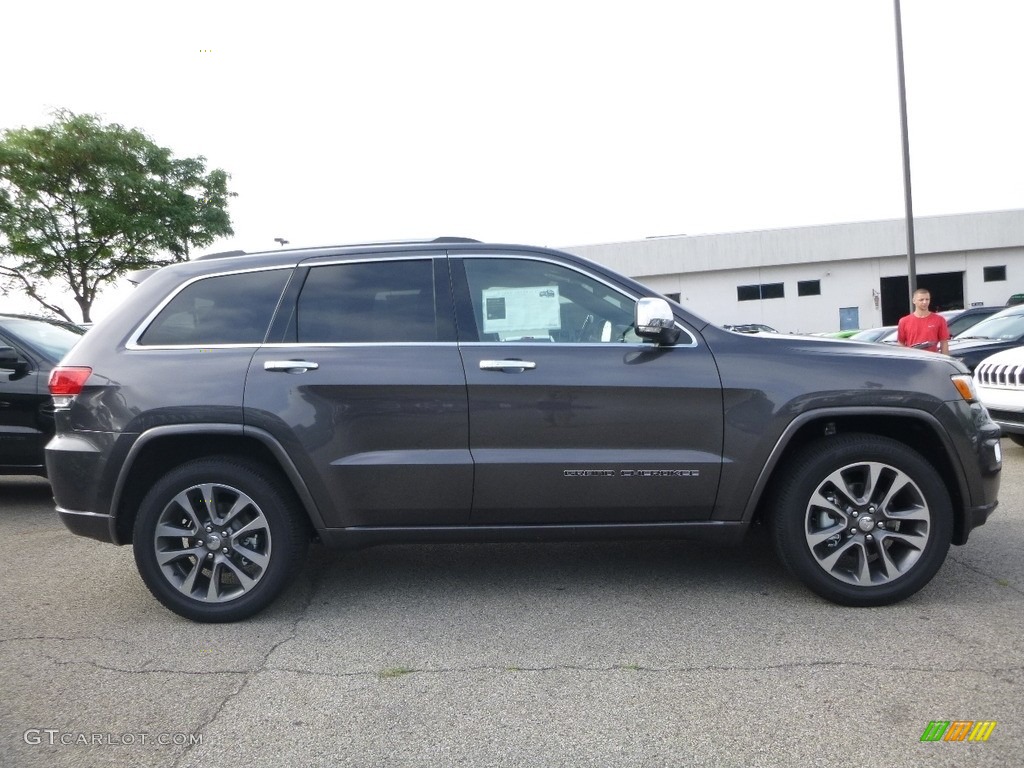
526, 300
52, 339
385, 301
1001, 327
227, 309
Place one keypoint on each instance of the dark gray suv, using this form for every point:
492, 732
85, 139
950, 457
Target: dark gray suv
235, 408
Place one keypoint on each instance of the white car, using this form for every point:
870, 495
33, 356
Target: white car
999, 380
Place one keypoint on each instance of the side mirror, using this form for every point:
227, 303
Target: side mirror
10, 360
653, 319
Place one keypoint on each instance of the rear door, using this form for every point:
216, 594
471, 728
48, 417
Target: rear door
23, 399
572, 417
365, 389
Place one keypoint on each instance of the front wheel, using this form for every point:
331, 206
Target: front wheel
861, 520
1018, 439
217, 539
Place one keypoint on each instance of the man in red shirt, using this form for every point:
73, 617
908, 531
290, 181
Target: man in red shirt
923, 326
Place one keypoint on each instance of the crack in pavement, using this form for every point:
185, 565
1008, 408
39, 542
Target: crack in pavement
997, 579
944, 669
249, 676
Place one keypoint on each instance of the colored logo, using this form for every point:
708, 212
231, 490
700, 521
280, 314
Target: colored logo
958, 730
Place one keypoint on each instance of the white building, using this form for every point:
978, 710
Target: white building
830, 277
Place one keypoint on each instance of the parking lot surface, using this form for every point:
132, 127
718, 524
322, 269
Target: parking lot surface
632, 654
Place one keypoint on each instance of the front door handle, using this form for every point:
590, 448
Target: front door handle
290, 366
507, 365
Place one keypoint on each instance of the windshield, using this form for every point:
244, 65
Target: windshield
1001, 327
50, 338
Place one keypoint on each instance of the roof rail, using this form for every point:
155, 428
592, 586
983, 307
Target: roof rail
221, 255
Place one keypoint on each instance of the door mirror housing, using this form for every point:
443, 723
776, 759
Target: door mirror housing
653, 319
10, 360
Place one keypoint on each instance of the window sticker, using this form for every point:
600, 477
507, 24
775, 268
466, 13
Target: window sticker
511, 310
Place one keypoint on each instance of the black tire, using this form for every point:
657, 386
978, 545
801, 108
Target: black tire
1018, 439
225, 561
861, 547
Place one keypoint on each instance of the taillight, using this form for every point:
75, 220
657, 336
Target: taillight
66, 381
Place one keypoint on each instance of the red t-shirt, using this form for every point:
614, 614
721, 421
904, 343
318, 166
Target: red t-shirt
914, 330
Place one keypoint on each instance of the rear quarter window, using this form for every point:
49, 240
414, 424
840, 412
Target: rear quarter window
225, 309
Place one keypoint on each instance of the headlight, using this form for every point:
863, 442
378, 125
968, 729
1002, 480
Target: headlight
965, 386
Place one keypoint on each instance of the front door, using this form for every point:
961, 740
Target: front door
572, 417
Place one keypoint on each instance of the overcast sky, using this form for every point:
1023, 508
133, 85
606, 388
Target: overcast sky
551, 123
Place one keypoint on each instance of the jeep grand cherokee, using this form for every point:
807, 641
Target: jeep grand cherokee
233, 409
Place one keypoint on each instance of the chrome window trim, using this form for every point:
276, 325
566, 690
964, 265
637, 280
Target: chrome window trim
534, 344
465, 255
141, 328
133, 340
363, 258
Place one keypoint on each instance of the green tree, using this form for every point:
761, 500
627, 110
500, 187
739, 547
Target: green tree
83, 202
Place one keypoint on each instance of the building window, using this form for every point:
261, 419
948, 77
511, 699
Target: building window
763, 291
673, 296
808, 288
748, 292
995, 274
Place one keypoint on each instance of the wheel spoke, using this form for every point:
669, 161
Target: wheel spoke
891, 570
822, 500
900, 483
166, 557
828, 563
208, 490
838, 481
919, 514
872, 472
183, 501
815, 538
241, 503
915, 540
257, 524
190, 581
213, 587
168, 531
243, 578
864, 571
257, 557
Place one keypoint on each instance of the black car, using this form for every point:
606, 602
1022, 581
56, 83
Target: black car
29, 349
1003, 330
232, 409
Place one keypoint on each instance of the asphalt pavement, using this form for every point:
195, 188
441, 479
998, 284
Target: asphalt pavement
632, 654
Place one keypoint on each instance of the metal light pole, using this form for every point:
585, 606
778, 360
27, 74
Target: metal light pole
911, 259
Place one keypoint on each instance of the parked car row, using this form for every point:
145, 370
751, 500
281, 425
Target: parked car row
975, 333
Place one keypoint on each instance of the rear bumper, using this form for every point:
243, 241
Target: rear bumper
77, 465
88, 524
979, 515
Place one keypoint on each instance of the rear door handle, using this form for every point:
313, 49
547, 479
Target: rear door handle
290, 366
507, 365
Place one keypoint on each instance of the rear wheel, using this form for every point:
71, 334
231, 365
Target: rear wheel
217, 539
1018, 439
862, 520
